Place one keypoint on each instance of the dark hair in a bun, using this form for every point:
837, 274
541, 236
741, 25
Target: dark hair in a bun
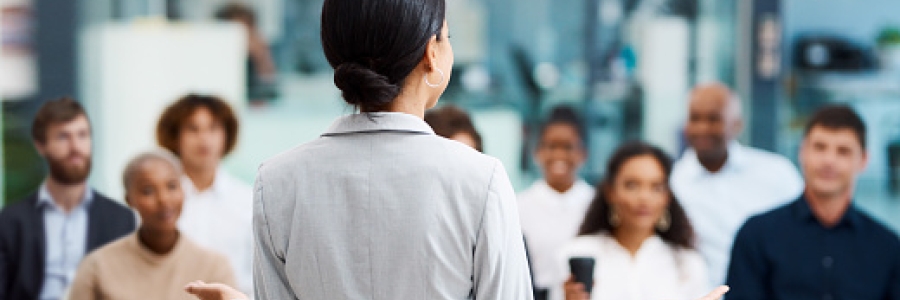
373, 45
565, 115
363, 88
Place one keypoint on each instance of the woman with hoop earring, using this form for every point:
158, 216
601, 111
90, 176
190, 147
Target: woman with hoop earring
379, 207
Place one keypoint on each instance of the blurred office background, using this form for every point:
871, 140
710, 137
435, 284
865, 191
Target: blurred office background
628, 65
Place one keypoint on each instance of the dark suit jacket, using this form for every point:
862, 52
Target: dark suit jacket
23, 241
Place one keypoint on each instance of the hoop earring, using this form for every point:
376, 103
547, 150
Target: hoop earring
614, 218
665, 222
439, 82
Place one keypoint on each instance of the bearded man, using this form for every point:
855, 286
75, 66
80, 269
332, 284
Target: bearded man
44, 236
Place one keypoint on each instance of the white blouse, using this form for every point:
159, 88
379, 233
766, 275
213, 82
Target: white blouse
221, 219
551, 219
657, 271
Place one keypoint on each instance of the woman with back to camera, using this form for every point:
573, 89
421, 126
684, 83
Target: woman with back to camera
638, 234
379, 207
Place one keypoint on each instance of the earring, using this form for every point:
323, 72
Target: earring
664, 222
435, 84
614, 218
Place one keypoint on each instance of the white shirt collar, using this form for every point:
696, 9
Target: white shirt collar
736, 160
379, 122
650, 245
45, 198
579, 188
579, 184
219, 185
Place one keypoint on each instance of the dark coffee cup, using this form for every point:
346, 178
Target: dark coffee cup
583, 270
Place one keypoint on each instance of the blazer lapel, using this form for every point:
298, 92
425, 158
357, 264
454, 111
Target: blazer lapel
95, 224
39, 239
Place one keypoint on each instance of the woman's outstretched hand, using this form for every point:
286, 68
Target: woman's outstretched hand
214, 291
218, 291
716, 294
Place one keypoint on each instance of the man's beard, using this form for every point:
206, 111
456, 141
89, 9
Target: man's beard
66, 174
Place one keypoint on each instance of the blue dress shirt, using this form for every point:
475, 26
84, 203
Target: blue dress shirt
787, 254
66, 242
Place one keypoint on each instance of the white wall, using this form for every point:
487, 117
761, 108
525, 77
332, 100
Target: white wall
18, 76
131, 72
664, 74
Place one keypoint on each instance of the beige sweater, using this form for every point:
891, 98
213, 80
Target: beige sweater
125, 270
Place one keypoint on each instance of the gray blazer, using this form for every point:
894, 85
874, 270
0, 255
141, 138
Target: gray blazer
379, 207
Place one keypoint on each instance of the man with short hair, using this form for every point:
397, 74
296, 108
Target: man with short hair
45, 236
719, 182
819, 246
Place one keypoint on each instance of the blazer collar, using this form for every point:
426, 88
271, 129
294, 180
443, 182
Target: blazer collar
378, 122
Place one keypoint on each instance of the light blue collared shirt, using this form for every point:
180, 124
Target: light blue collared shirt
752, 181
66, 236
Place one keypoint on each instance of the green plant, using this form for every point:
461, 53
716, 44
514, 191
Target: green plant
23, 168
889, 36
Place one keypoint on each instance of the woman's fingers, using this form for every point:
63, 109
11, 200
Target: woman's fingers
213, 291
575, 290
717, 293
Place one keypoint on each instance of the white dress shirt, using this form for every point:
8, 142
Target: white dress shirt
550, 219
66, 241
657, 271
751, 182
221, 219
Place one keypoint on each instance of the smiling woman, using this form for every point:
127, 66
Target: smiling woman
552, 208
145, 264
635, 226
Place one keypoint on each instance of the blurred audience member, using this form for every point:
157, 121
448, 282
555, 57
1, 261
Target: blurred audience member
218, 209
820, 246
261, 71
552, 208
720, 182
155, 261
45, 236
638, 234
454, 123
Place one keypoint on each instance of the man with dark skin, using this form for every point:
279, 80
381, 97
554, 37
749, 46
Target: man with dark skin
714, 121
720, 182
